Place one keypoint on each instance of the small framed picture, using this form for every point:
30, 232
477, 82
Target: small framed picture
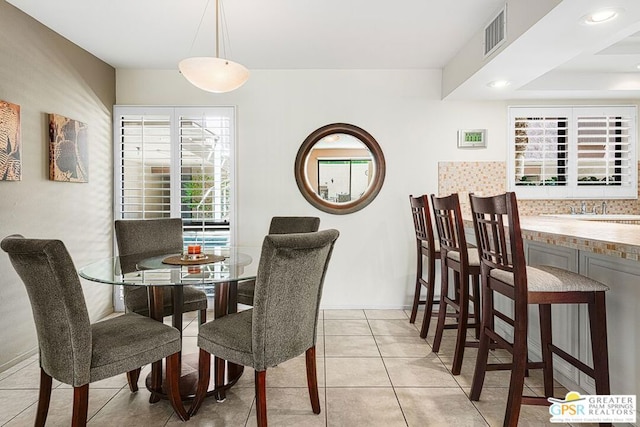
68, 150
10, 158
472, 138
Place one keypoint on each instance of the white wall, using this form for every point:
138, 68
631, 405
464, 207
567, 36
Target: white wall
374, 261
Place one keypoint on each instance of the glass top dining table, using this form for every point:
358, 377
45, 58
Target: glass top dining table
218, 277
238, 264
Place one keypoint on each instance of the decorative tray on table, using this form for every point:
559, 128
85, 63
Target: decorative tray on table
192, 259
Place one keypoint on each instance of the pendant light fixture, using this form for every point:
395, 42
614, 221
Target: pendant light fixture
214, 74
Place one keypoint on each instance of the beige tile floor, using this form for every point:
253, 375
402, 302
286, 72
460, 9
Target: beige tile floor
373, 369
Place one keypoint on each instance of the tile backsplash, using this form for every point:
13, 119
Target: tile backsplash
489, 178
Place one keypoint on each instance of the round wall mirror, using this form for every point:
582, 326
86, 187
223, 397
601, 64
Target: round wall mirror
339, 168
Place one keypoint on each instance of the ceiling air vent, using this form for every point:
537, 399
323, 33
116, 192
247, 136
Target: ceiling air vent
494, 33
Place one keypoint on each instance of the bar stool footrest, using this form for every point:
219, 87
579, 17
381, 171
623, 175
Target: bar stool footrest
535, 400
572, 360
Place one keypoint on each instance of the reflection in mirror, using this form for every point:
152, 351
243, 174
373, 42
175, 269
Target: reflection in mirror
340, 168
343, 166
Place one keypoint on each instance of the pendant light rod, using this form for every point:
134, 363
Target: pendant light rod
217, 28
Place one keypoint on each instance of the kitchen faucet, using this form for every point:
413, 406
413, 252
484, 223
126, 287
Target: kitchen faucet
583, 207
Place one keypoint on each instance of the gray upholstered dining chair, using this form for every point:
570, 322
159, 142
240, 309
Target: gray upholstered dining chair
147, 238
282, 323
152, 237
74, 351
279, 225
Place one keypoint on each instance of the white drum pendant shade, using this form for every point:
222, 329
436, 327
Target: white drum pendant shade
213, 74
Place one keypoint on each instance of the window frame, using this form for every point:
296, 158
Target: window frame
572, 189
174, 115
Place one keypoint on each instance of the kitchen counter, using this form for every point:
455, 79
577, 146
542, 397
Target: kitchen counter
605, 238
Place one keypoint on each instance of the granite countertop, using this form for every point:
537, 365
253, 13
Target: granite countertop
606, 238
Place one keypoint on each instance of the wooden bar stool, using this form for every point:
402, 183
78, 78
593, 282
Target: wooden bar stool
503, 270
426, 246
456, 256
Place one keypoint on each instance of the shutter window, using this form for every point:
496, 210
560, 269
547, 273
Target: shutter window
604, 152
573, 152
205, 171
540, 150
143, 170
176, 162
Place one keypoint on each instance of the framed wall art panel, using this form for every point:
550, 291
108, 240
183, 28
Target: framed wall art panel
68, 150
10, 144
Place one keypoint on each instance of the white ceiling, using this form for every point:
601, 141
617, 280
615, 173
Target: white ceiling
268, 34
359, 34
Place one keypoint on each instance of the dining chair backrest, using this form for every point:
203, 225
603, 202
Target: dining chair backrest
143, 238
149, 236
288, 289
58, 305
449, 223
294, 224
496, 224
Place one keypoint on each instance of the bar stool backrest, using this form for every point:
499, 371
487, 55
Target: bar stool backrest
422, 222
448, 218
499, 238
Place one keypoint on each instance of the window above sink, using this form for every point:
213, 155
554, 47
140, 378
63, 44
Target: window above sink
573, 152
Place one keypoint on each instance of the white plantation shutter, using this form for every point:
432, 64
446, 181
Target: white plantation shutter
205, 174
176, 162
604, 149
572, 152
143, 159
540, 149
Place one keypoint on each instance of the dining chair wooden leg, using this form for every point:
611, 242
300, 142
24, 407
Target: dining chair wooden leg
132, 379
44, 398
442, 313
204, 374
261, 398
312, 379
463, 318
80, 406
156, 382
173, 386
546, 338
202, 317
220, 374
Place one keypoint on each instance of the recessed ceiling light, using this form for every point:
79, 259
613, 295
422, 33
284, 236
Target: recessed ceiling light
601, 16
638, 66
499, 83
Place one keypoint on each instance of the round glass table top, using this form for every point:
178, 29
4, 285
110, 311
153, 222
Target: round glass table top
239, 263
